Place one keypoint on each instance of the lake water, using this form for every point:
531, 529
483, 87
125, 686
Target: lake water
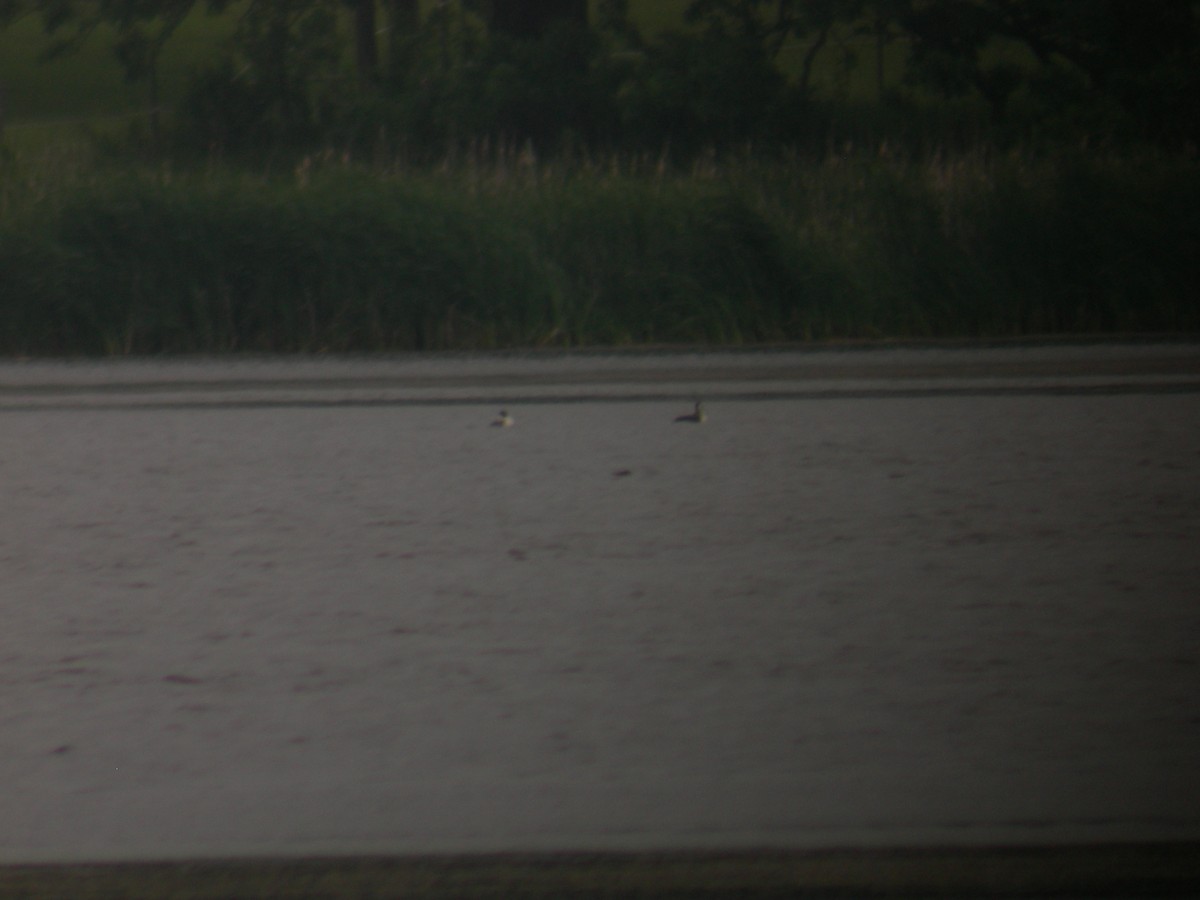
881, 597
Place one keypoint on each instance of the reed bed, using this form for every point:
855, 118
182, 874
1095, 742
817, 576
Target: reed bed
496, 249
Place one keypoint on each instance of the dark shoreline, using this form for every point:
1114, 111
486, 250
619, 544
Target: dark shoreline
1083, 870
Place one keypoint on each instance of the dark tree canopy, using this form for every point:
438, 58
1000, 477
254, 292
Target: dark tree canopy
532, 18
734, 71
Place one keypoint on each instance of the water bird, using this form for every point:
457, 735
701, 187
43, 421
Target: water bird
504, 420
697, 416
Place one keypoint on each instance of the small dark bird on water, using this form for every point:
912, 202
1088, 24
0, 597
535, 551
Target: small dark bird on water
696, 417
504, 420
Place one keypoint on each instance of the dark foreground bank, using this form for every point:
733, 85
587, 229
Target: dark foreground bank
1122, 870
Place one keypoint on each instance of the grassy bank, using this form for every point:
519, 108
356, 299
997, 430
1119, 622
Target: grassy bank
504, 252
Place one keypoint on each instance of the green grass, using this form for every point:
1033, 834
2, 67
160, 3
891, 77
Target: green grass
228, 263
505, 252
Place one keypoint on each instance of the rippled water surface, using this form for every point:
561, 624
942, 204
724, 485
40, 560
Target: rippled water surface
267, 610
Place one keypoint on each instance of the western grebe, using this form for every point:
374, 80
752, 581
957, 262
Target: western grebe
696, 416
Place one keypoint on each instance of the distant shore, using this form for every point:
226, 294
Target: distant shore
866, 369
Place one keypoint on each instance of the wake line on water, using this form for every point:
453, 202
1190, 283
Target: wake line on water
108, 403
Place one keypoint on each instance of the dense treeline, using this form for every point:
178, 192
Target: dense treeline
391, 75
348, 175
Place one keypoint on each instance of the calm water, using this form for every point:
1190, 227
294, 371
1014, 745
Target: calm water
277, 608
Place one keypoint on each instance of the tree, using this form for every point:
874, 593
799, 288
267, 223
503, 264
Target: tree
143, 28
765, 24
533, 18
403, 19
948, 39
1142, 57
281, 82
881, 20
768, 26
366, 44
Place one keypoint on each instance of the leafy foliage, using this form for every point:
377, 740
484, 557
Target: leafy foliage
300, 73
535, 181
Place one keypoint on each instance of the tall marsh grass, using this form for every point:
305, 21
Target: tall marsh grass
504, 251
